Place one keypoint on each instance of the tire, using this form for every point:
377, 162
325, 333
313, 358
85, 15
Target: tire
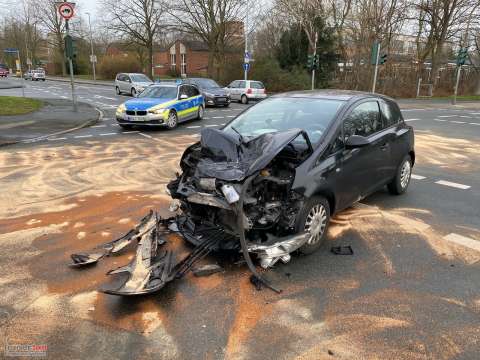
227, 105
200, 113
244, 99
133, 92
125, 126
314, 214
172, 120
117, 90
400, 182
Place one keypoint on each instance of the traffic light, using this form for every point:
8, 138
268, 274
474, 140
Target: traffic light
313, 62
462, 56
383, 59
70, 47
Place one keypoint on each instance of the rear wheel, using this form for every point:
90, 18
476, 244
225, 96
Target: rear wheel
172, 120
200, 112
133, 92
117, 90
244, 99
402, 178
314, 219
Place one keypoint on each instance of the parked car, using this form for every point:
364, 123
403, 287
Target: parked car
28, 75
162, 105
38, 75
131, 83
246, 90
268, 182
3, 72
213, 93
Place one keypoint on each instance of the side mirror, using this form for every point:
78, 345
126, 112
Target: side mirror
356, 141
129, 80
183, 96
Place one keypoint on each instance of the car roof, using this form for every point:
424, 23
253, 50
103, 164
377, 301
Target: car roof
331, 94
166, 84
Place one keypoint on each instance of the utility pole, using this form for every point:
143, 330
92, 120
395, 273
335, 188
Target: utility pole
314, 60
93, 58
66, 11
377, 56
245, 30
21, 73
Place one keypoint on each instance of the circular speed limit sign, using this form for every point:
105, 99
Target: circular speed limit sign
66, 10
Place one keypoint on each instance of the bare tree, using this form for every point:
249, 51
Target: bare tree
137, 22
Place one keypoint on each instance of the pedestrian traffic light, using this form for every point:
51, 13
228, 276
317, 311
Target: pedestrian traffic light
70, 47
462, 56
313, 62
383, 59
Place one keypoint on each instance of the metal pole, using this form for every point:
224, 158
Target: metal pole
245, 72
21, 73
455, 91
314, 56
91, 48
376, 69
72, 81
418, 86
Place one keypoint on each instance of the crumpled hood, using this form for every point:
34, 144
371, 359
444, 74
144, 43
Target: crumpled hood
227, 158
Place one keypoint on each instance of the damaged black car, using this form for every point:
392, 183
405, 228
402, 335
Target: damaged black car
268, 182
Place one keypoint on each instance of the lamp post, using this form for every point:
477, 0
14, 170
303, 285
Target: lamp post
92, 56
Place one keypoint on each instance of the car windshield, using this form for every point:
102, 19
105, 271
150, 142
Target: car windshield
280, 114
205, 83
139, 78
167, 92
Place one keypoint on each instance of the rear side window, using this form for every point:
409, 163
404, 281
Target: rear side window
390, 113
241, 84
364, 120
192, 91
256, 85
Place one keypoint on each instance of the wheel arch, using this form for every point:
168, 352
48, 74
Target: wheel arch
330, 196
412, 156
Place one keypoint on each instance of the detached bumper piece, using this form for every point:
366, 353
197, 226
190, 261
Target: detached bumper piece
152, 268
115, 246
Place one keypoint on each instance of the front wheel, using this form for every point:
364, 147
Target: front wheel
133, 92
172, 120
402, 177
313, 218
244, 99
117, 90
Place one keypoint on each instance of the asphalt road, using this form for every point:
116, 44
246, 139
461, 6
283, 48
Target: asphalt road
410, 291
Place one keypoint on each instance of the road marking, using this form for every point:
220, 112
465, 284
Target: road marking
474, 123
218, 117
475, 113
145, 135
107, 134
440, 120
56, 139
82, 136
231, 116
465, 116
211, 125
193, 127
447, 116
452, 184
222, 124
412, 119
457, 122
463, 241
98, 126
417, 177
63, 96
130, 132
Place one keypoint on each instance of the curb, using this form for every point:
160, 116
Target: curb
84, 125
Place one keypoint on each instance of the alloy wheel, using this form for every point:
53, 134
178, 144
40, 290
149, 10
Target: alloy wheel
172, 120
315, 223
405, 173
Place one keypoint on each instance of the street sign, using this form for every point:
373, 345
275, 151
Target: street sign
66, 10
246, 58
246, 66
10, 50
93, 58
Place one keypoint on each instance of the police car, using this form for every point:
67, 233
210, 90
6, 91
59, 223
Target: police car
164, 104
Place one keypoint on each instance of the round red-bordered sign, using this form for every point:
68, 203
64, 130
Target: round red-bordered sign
66, 10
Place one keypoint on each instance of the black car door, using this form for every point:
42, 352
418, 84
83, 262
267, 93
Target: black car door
361, 168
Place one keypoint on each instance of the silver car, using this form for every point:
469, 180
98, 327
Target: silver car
246, 90
131, 83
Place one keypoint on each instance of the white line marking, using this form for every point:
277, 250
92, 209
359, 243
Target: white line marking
412, 119
417, 177
63, 97
82, 136
211, 125
475, 113
114, 125
439, 120
145, 135
193, 127
452, 184
463, 241
465, 116
222, 124
474, 123
98, 126
131, 132
55, 139
231, 116
447, 116
457, 122
218, 117
107, 134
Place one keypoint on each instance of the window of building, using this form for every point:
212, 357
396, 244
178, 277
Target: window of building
184, 64
173, 61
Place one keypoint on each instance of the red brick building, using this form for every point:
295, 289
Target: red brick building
182, 58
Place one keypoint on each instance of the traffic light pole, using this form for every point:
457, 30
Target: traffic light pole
314, 59
455, 91
70, 65
376, 68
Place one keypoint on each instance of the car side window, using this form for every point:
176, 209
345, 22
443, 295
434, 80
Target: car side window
183, 91
336, 144
363, 120
241, 84
194, 91
389, 114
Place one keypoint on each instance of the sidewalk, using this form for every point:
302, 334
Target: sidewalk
81, 81
437, 103
56, 117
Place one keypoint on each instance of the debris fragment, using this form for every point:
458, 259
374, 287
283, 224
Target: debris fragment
207, 270
342, 250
